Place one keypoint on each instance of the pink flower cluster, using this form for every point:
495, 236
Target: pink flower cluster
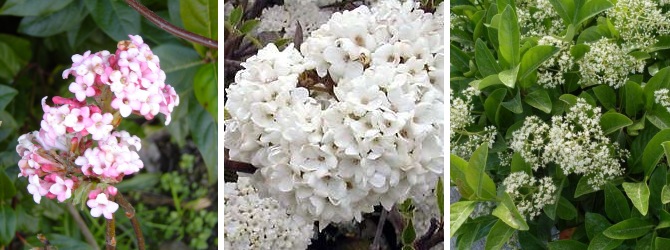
77, 147
133, 75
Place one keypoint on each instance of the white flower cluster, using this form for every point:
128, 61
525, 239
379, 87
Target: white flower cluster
354, 121
639, 22
253, 222
607, 63
464, 147
575, 142
550, 73
460, 110
662, 97
533, 16
283, 18
530, 194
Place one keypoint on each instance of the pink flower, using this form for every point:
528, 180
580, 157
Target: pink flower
102, 206
81, 90
61, 188
101, 125
36, 188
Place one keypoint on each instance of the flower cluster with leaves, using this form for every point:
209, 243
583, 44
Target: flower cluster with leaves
77, 153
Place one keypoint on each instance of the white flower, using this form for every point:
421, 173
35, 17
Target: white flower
607, 63
102, 206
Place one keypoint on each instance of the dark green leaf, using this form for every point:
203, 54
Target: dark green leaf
204, 132
565, 9
616, 205
459, 212
583, 187
508, 38
602, 242
115, 18
539, 99
139, 182
579, 50
6, 95
67, 242
566, 244
32, 8
10, 64
7, 189
236, 15
629, 229
654, 151
565, 209
591, 34
664, 221
661, 243
408, 234
200, 17
606, 96
180, 65
550, 209
486, 63
7, 224
659, 117
534, 58
492, 104
514, 104
595, 224
662, 44
439, 195
500, 233
476, 176
205, 88
249, 25
640, 55
591, 9
613, 121
659, 81
638, 193
475, 230
631, 98
665, 194
459, 59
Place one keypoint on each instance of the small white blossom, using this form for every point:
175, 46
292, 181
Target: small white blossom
607, 63
529, 194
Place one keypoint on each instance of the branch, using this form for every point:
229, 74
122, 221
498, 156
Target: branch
378, 234
110, 237
82, 225
170, 28
130, 213
432, 237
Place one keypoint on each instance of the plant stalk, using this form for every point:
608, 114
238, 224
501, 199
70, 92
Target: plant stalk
130, 213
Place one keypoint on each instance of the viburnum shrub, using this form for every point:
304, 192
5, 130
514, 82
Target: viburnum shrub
560, 124
349, 119
78, 155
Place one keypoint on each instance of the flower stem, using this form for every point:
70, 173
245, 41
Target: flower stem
82, 225
110, 237
130, 213
380, 228
170, 28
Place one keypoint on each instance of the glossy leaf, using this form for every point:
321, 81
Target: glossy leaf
508, 77
486, 63
7, 94
583, 187
115, 18
508, 38
32, 8
664, 221
616, 205
7, 189
500, 233
631, 98
54, 23
606, 95
565, 9
539, 99
439, 195
659, 117
10, 65
205, 88
566, 245
205, 134
550, 209
519, 165
654, 151
514, 104
476, 176
665, 194
200, 17
602, 242
508, 213
660, 80
459, 212
534, 57
492, 104
457, 175
408, 234
565, 209
629, 229
8, 224
592, 8
638, 193
613, 121
595, 224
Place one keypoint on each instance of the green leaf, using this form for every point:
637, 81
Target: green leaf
591, 9
508, 213
205, 88
629, 229
613, 121
616, 205
569, 99
10, 64
508, 37
662, 44
500, 233
640, 55
665, 194
583, 187
550, 209
32, 8
566, 244
591, 34
664, 221
8, 224
661, 80
661, 243
138, 182
205, 134
519, 165
659, 117
475, 230
6, 95
492, 104
249, 25
606, 95
115, 18
578, 51
67, 242
631, 98
476, 176
457, 175
602, 242
439, 195
595, 224
539, 99
534, 57
565, 209
459, 59
565, 9
486, 63
459, 212
488, 81
514, 104
236, 15
653, 152
180, 64
200, 17
508, 77
638, 193
408, 234
7, 189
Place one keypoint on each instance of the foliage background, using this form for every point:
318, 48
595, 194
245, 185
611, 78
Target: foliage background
175, 195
